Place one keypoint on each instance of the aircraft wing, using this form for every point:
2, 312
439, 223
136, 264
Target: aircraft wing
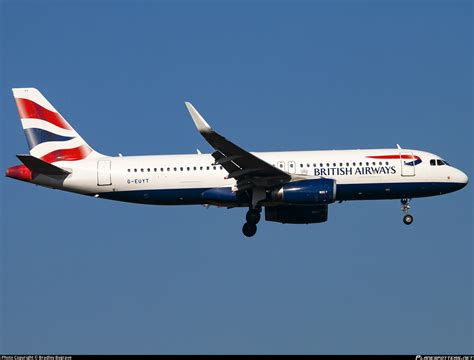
248, 169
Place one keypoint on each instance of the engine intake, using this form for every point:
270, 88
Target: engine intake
314, 191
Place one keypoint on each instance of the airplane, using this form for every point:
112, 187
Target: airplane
294, 187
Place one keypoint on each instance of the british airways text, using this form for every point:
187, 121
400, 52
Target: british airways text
361, 170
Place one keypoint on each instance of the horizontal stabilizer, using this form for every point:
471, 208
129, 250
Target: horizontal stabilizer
40, 166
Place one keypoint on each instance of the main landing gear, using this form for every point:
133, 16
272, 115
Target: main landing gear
253, 217
407, 218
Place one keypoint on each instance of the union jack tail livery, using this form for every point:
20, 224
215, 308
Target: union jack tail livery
49, 136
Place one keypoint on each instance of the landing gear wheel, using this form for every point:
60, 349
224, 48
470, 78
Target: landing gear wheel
408, 219
249, 229
253, 216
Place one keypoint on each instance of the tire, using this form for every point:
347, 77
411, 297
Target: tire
253, 216
408, 219
249, 229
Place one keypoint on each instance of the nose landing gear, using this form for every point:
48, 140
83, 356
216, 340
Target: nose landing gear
253, 217
407, 218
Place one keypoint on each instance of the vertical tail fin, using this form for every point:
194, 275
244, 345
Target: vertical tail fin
49, 136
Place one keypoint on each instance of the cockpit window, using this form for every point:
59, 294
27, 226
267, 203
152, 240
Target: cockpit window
438, 162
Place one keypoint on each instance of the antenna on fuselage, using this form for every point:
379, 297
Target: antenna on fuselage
399, 147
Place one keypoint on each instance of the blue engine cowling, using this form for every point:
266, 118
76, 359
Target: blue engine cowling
314, 191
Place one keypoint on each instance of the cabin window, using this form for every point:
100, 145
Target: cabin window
360, 164
148, 169
386, 163
347, 164
161, 169
214, 167
334, 164
291, 165
221, 167
200, 168
194, 168
301, 165
353, 164
340, 164
167, 169
367, 163
307, 165
433, 162
128, 170
380, 163
174, 169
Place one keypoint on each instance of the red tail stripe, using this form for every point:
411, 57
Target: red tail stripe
20, 172
78, 153
410, 157
30, 110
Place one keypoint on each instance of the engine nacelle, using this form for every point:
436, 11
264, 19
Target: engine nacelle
296, 214
314, 191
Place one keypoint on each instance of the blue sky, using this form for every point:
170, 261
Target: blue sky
81, 275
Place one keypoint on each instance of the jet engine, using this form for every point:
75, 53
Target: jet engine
307, 192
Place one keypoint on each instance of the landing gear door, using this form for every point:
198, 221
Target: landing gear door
407, 163
103, 173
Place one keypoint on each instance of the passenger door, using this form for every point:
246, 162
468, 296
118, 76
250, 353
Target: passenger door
407, 163
104, 177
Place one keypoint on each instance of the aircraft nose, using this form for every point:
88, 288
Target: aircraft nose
462, 178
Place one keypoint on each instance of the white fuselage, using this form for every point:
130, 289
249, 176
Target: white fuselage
180, 179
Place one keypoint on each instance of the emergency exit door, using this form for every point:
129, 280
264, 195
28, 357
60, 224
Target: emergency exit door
281, 165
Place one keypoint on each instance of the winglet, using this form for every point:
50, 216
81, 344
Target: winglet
200, 123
